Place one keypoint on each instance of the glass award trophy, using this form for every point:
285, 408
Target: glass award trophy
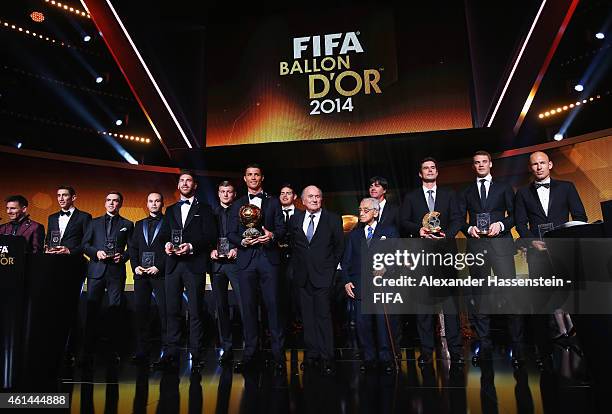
55, 239
110, 246
177, 238
483, 222
148, 259
223, 247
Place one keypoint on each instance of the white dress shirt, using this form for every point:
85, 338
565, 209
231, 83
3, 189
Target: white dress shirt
291, 210
257, 200
185, 208
544, 194
373, 225
433, 194
381, 207
306, 222
63, 221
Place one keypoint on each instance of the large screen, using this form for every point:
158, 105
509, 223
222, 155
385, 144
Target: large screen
335, 74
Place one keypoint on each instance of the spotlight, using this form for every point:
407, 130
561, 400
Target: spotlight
118, 122
599, 35
87, 38
39, 17
558, 136
19, 145
579, 88
99, 79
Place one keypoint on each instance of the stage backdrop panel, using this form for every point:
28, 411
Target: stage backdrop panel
336, 73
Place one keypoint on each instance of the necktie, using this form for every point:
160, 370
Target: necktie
65, 213
545, 185
151, 229
252, 196
286, 212
109, 225
310, 230
483, 192
184, 202
15, 227
369, 235
430, 200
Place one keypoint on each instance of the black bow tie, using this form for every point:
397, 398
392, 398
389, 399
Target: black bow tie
252, 196
154, 218
545, 185
65, 213
184, 202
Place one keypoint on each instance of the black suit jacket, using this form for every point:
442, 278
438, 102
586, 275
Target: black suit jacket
138, 244
415, 207
390, 215
74, 233
352, 257
563, 201
222, 217
316, 261
94, 240
200, 230
272, 220
500, 204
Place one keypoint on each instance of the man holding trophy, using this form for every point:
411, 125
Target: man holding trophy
490, 206
104, 242
148, 261
255, 225
193, 233
431, 212
223, 258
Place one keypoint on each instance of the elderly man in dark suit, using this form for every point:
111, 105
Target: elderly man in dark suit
257, 266
22, 225
105, 243
317, 245
148, 261
376, 332
495, 198
193, 223
542, 205
427, 198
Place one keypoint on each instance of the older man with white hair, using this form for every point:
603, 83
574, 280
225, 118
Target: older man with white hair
317, 245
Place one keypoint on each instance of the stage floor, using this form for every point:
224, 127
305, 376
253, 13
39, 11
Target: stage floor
562, 387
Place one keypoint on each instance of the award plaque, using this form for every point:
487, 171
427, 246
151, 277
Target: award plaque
250, 216
148, 260
431, 221
177, 238
110, 246
483, 222
55, 239
223, 247
543, 228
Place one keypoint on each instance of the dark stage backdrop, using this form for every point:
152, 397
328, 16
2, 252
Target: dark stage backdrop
334, 73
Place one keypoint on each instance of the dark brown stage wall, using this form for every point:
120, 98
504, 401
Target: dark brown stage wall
36, 176
584, 160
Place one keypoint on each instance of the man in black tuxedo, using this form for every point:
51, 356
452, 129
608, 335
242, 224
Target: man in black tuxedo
543, 204
223, 270
425, 199
257, 266
69, 225
148, 260
70, 222
376, 332
290, 295
104, 242
496, 198
317, 246
389, 212
186, 267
